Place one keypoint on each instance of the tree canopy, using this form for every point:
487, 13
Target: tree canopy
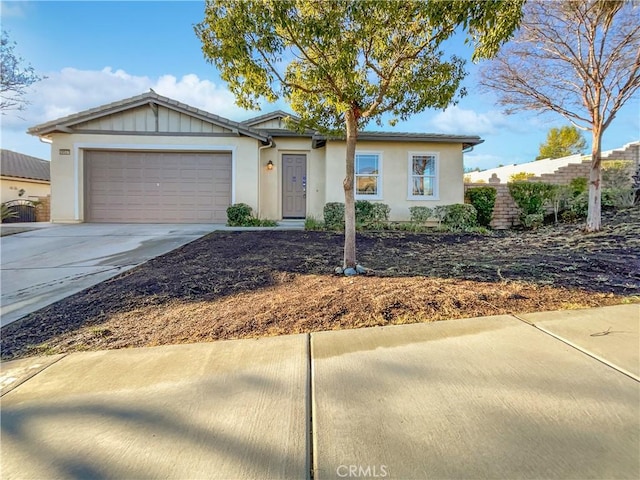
579, 59
562, 142
15, 77
343, 63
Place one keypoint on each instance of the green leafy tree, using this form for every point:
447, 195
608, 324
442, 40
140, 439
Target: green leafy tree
579, 59
15, 78
562, 142
341, 64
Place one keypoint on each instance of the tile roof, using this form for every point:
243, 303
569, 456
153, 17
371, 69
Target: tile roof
143, 99
19, 165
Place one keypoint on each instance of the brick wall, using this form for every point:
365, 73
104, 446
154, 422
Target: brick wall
506, 213
43, 209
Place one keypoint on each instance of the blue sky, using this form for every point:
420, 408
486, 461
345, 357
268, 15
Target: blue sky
94, 53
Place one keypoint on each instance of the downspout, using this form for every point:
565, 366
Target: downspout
269, 145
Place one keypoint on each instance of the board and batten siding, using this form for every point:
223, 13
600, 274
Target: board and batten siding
143, 120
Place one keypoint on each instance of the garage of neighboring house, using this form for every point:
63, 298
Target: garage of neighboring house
156, 186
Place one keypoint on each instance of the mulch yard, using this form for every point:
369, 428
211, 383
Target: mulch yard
249, 284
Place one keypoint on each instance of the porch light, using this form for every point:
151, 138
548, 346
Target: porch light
269, 165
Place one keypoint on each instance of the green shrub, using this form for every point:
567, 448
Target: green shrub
311, 223
521, 176
532, 221
6, 213
484, 200
371, 215
239, 215
460, 217
420, 215
265, 222
578, 185
616, 174
334, 216
439, 212
531, 198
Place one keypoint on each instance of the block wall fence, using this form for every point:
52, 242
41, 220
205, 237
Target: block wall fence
506, 213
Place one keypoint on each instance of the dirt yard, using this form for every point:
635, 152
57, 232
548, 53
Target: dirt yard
250, 284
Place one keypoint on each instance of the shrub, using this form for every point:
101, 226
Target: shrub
578, 185
238, 215
484, 200
617, 174
531, 197
311, 223
521, 176
460, 217
532, 221
334, 216
371, 215
439, 212
6, 213
420, 215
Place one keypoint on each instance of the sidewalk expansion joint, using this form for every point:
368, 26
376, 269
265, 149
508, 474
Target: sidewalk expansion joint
13, 386
580, 349
310, 406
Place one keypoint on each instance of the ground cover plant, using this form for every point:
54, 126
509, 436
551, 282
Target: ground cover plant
249, 284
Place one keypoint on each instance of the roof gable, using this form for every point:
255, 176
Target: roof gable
147, 113
19, 165
271, 120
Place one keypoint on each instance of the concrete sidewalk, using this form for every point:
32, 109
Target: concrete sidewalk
493, 397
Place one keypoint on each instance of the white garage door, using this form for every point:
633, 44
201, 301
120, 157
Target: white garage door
157, 187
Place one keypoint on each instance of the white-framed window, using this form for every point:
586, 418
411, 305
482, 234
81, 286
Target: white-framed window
368, 175
423, 176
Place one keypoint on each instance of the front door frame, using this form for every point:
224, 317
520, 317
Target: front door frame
303, 182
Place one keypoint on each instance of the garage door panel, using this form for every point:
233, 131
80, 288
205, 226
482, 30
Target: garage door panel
157, 186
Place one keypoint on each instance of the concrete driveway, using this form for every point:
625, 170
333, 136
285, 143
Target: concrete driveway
44, 265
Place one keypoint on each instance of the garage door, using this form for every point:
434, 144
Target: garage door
157, 187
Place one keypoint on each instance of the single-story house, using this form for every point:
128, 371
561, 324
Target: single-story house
153, 159
23, 177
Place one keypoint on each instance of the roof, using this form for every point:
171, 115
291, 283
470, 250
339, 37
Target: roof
278, 114
64, 124
19, 165
467, 141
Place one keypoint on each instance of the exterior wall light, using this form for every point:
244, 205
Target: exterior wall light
269, 165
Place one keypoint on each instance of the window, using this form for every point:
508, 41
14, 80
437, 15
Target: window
368, 167
423, 177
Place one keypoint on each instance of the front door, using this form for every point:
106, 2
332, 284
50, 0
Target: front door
294, 186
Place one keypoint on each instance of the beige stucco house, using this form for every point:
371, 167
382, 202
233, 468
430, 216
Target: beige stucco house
23, 177
152, 159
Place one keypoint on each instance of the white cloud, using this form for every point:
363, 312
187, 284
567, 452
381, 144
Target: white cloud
456, 120
12, 9
71, 90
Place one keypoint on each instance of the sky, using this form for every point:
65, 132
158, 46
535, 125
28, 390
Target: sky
94, 53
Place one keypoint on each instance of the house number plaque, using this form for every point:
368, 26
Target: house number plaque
64, 151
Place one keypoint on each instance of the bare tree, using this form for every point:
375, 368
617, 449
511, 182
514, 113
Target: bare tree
580, 59
14, 77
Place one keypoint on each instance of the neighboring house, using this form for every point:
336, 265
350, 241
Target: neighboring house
23, 177
152, 159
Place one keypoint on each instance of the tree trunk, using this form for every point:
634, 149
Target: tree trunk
595, 183
349, 194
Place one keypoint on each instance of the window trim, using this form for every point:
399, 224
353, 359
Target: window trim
436, 177
378, 195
